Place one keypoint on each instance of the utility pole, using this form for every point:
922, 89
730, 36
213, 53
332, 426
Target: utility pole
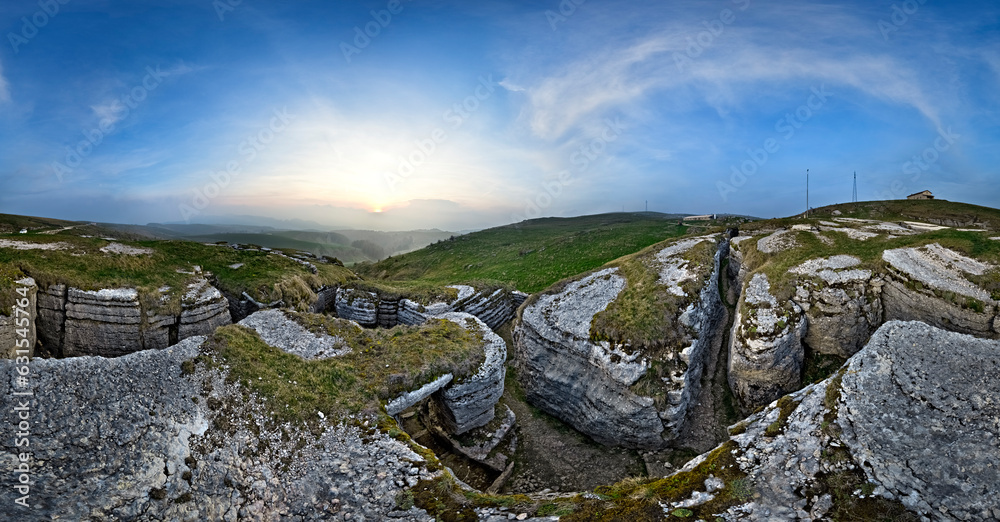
807, 192
855, 195
647, 205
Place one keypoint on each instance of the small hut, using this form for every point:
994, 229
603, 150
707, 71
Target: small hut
921, 195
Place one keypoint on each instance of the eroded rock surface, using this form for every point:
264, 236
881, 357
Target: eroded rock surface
920, 415
909, 424
765, 351
588, 383
135, 438
469, 402
842, 303
931, 284
277, 330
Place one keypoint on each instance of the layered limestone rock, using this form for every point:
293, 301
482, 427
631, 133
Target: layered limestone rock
203, 309
590, 384
765, 351
469, 402
908, 425
842, 303
494, 308
931, 284
567, 375
102, 322
369, 309
138, 438
359, 306
17, 329
51, 319
113, 322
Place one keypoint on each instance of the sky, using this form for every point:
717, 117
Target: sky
400, 114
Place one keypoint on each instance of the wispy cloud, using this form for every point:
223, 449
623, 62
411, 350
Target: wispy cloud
797, 44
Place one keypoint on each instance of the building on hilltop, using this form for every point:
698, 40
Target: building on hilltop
921, 195
706, 217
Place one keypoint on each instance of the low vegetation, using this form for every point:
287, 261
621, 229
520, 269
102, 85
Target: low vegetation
265, 276
530, 255
383, 363
644, 315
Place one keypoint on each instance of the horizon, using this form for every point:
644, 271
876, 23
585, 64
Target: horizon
405, 115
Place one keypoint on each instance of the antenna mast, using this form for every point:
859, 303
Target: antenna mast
807, 192
855, 196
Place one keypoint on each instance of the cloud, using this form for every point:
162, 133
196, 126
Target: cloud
743, 62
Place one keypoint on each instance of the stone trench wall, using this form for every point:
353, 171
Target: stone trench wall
112, 322
370, 310
839, 306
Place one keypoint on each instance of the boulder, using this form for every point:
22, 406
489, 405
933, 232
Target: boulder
765, 351
908, 426
919, 414
102, 322
592, 384
203, 309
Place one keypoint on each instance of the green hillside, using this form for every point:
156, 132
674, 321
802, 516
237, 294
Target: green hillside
530, 255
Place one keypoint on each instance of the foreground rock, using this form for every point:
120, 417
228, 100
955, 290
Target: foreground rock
907, 428
134, 438
594, 385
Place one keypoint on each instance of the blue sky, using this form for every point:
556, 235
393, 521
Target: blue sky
419, 114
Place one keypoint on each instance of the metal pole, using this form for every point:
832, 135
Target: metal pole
807, 192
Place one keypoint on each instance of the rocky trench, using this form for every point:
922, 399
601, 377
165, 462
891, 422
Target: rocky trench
835, 309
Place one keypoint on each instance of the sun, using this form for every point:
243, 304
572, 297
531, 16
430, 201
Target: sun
378, 211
